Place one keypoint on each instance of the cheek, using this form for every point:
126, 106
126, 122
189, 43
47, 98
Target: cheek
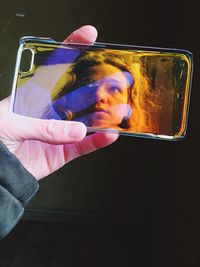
123, 98
119, 111
118, 99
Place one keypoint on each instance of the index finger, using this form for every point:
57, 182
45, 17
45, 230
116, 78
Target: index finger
86, 35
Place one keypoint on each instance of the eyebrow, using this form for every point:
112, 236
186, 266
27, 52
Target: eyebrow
113, 81
88, 80
104, 79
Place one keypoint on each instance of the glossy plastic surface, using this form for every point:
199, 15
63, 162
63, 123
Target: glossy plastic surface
137, 91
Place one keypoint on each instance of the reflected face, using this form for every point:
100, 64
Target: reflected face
108, 90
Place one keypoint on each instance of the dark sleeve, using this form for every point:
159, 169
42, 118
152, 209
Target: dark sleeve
17, 187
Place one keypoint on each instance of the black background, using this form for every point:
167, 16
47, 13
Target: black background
144, 192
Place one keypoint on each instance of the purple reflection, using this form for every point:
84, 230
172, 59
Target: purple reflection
59, 56
100, 103
35, 95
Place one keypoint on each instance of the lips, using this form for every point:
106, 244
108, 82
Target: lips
99, 109
90, 110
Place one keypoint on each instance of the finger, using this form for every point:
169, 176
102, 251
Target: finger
86, 35
5, 105
49, 131
88, 145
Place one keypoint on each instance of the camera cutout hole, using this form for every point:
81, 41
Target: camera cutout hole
27, 59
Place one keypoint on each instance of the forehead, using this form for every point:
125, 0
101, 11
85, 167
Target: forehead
105, 71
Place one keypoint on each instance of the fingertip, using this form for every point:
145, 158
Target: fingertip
90, 31
111, 137
86, 34
77, 131
83, 130
101, 140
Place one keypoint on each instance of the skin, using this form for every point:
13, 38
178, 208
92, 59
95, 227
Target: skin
43, 146
110, 93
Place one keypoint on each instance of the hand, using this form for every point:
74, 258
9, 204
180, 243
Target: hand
43, 146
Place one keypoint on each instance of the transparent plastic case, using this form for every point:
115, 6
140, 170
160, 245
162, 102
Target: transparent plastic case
135, 91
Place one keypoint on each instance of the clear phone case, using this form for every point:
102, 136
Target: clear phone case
136, 91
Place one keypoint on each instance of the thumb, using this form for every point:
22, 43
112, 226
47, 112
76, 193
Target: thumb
17, 128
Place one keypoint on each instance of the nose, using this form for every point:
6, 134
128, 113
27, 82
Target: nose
101, 95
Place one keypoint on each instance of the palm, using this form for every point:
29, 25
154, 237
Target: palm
42, 158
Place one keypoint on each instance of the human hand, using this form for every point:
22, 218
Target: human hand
43, 146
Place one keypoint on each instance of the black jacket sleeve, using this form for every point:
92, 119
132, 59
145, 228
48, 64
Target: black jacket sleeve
17, 187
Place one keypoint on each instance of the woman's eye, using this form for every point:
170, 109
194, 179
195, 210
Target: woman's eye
114, 89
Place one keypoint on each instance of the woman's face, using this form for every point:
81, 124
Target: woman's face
106, 92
